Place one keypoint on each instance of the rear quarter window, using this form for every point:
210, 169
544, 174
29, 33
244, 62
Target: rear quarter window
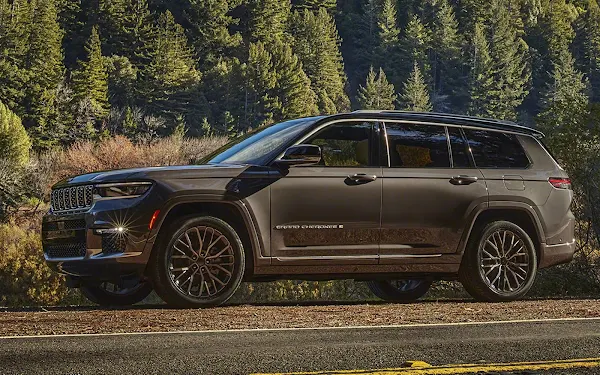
496, 150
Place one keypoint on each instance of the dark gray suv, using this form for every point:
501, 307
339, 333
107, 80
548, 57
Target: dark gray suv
397, 199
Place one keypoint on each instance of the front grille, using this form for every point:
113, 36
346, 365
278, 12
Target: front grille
113, 244
64, 225
72, 250
72, 198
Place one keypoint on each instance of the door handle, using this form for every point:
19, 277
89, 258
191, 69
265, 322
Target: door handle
362, 178
463, 180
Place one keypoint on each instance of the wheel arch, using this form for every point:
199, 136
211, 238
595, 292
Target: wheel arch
518, 213
235, 213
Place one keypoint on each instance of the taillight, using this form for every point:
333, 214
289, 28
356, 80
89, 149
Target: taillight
560, 182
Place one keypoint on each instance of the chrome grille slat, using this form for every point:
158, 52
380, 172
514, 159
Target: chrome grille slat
72, 198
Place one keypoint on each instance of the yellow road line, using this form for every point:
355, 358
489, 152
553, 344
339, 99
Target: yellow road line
422, 368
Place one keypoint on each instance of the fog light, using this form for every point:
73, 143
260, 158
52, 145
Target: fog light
116, 230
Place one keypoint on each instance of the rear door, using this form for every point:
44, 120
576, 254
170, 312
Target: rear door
330, 213
429, 189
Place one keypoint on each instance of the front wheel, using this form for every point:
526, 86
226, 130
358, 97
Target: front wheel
399, 290
200, 264
500, 263
110, 294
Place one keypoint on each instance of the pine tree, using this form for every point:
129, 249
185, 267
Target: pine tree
292, 89
481, 77
128, 29
268, 20
565, 112
361, 38
14, 141
557, 28
75, 21
122, 78
317, 44
415, 96
15, 27
209, 24
509, 63
388, 30
90, 81
388, 50
260, 81
44, 64
225, 88
377, 93
589, 46
549, 37
415, 45
171, 78
447, 80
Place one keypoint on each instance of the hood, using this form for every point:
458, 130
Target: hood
156, 173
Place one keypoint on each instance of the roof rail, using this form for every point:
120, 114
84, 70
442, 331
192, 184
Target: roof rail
452, 116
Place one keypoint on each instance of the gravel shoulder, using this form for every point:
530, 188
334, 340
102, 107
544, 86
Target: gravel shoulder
75, 320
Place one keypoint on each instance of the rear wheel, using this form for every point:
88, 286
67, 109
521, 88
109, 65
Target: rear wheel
201, 264
110, 294
500, 263
399, 290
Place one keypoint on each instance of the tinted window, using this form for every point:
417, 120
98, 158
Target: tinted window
417, 146
496, 150
348, 144
460, 158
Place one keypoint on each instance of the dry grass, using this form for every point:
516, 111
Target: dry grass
119, 153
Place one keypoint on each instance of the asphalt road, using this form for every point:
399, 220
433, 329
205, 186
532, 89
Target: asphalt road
243, 351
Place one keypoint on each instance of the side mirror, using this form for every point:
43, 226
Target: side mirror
301, 155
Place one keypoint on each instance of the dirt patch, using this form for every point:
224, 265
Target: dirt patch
156, 318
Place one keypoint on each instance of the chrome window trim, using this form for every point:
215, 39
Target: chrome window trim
382, 120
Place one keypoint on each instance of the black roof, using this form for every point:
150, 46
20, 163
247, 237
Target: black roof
444, 118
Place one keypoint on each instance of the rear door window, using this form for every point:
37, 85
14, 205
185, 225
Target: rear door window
493, 149
417, 146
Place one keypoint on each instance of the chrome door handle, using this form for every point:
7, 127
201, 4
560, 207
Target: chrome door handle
362, 177
463, 180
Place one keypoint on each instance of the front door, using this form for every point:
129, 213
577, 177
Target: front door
330, 213
429, 190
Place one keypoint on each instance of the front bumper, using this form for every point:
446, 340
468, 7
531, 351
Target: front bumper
77, 246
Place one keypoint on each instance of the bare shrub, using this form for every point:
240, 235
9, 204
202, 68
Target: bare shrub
195, 149
119, 152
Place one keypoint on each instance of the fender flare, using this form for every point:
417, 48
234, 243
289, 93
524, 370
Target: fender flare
257, 247
505, 205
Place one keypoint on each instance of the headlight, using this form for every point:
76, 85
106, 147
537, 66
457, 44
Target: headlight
121, 190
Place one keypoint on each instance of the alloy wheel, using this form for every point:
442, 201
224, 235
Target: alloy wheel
504, 262
201, 262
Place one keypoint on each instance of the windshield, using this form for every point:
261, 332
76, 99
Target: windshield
260, 146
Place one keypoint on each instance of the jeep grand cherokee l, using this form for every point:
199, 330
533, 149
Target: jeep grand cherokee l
397, 199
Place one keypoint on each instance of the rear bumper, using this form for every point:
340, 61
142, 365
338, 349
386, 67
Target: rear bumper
557, 254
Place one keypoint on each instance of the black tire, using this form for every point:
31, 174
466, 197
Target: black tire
478, 262
106, 295
163, 266
389, 290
